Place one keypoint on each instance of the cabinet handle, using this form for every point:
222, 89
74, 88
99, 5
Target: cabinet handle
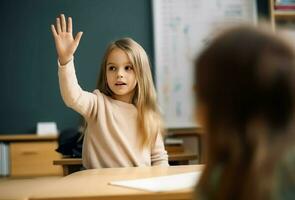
29, 153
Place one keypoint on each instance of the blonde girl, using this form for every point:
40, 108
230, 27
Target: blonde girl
123, 122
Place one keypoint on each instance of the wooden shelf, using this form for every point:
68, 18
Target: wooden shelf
195, 131
276, 15
183, 157
288, 13
192, 144
68, 161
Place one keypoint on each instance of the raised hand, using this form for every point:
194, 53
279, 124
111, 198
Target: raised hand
65, 44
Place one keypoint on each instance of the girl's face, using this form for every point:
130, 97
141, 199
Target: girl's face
120, 75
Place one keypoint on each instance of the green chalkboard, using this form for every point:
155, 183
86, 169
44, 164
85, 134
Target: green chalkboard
28, 64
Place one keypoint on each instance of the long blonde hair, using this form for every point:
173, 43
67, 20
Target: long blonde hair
144, 98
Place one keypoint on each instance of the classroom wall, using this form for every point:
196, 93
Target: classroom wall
28, 63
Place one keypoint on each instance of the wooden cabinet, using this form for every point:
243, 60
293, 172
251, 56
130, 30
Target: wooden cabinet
32, 155
281, 18
191, 148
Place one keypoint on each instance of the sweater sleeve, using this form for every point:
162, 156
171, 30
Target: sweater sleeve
74, 97
159, 154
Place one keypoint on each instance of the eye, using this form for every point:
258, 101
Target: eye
128, 68
111, 68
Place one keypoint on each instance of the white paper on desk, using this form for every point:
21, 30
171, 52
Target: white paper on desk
162, 183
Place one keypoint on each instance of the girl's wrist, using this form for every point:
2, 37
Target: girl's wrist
64, 61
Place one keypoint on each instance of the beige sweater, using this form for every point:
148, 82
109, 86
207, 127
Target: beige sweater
111, 138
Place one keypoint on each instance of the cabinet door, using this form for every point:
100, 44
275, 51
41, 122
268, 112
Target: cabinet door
34, 158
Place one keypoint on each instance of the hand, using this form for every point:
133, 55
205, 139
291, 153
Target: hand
65, 44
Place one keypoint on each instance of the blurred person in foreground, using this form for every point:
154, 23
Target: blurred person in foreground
245, 89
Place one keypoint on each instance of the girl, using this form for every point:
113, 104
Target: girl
245, 82
123, 122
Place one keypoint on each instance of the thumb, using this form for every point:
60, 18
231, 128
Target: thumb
78, 37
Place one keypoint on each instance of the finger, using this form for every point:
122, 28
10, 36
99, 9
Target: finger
78, 37
54, 33
70, 25
63, 23
58, 28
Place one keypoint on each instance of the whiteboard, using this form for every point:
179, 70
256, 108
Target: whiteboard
181, 29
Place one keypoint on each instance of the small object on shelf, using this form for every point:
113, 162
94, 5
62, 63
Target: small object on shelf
284, 1
174, 149
284, 7
174, 145
4, 159
47, 128
173, 141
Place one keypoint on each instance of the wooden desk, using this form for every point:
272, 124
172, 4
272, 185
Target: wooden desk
31, 155
94, 184
71, 165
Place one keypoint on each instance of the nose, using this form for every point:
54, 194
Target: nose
120, 73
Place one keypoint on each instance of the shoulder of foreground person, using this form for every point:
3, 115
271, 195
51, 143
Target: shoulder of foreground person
285, 177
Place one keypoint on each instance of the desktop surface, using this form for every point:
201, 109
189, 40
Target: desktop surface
94, 184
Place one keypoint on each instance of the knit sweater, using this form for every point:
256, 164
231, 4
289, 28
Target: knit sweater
111, 138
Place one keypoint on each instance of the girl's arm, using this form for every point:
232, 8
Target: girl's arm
74, 97
83, 102
159, 154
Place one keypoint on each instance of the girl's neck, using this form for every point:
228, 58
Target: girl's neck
124, 98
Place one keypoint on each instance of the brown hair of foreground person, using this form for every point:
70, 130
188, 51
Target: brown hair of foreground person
245, 82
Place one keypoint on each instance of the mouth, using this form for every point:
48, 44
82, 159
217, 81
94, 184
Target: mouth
119, 83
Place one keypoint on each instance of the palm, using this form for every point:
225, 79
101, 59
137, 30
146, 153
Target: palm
65, 44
